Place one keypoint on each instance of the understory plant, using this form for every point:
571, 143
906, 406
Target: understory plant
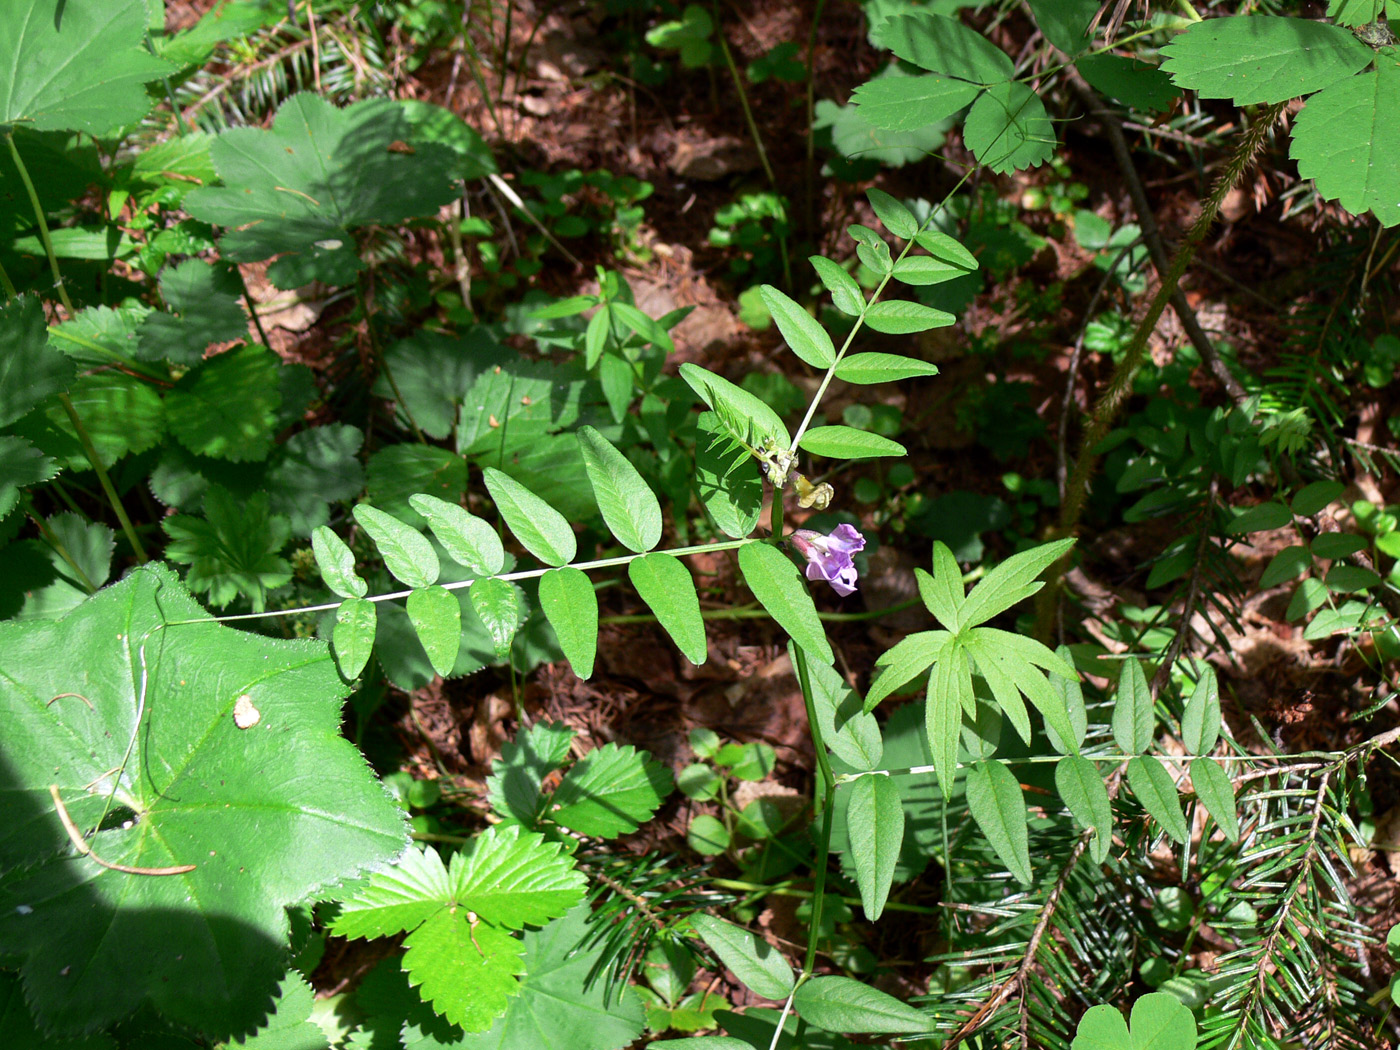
193, 812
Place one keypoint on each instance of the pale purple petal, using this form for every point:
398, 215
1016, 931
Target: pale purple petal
829, 557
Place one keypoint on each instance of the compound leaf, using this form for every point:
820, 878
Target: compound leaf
513, 788
206, 946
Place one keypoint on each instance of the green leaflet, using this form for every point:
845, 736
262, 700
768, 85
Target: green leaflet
437, 618
1134, 715
946, 249
1200, 722
628, 505
1262, 58
867, 369
541, 529
664, 583
900, 317
1259, 518
944, 45
1160, 1022
571, 606
895, 217
871, 249
1082, 789
841, 442
901, 663
1156, 790
1217, 794
1346, 139
842, 1004
201, 772
846, 294
995, 800
1008, 129
352, 638
949, 694
30, 369
760, 967
727, 478
852, 735
807, 339
1010, 582
875, 823
1129, 81
337, 564
610, 792
778, 586
468, 540
497, 604
923, 270
100, 83
406, 552
747, 417
908, 103
943, 592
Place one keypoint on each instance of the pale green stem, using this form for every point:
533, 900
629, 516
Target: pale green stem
91, 451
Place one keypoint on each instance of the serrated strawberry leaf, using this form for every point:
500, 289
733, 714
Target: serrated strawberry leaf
513, 788
611, 792
226, 407
256, 813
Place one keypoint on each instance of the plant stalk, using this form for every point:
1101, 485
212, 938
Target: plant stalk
96, 460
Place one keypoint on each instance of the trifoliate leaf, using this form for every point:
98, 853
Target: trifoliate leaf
255, 818
226, 407
234, 549
610, 792
30, 370
298, 189
77, 67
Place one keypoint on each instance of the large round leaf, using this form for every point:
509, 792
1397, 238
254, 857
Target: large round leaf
220, 755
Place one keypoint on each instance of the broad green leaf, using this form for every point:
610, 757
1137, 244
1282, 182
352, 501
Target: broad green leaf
1346, 138
1313, 498
875, 823
746, 416
437, 618
1083, 792
924, 270
759, 966
846, 294
895, 217
541, 529
1130, 81
1010, 582
1217, 794
569, 998
1065, 23
1200, 721
337, 564
434, 373
664, 583
1134, 715
312, 469
727, 478
195, 783
434, 124
406, 551
397, 473
841, 442
903, 662
571, 606
468, 540
944, 45
121, 414
907, 103
610, 792
297, 189
1259, 518
949, 695
842, 1004
352, 638
802, 333
868, 369
30, 370
205, 297
995, 801
1262, 58
1287, 564
900, 317
851, 734
1008, 130
779, 588
943, 591
513, 788
1160, 1021
289, 1025
1332, 545
1071, 694
226, 407
75, 66
497, 605
1156, 790
628, 505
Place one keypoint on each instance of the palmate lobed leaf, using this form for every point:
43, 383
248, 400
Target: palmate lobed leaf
268, 815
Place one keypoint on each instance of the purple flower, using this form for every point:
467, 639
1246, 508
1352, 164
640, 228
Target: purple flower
829, 557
